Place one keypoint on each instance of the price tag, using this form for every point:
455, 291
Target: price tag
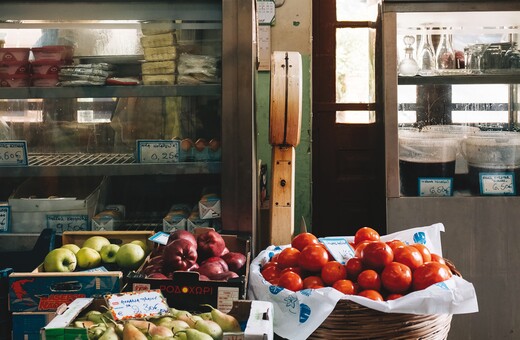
62, 223
137, 304
5, 218
265, 10
435, 187
13, 153
160, 237
158, 151
339, 248
500, 183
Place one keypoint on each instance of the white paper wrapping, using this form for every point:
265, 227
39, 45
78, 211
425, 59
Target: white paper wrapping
298, 314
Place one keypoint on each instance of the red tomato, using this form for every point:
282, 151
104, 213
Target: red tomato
313, 258
376, 255
359, 248
425, 252
369, 279
313, 282
288, 257
333, 271
269, 264
302, 240
275, 257
296, 270
395, 244
409, 256
371, 294
396, 277
365, 233
354, 267
271, 273
291, 281
393, 296
429, 274
438, 258
345, 286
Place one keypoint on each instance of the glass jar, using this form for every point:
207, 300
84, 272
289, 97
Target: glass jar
426, 55
445, 57
408, 67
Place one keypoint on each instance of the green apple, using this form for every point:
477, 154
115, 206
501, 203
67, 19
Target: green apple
71, 246
96, 242
130, 256
141, 244
108, 253
88, 258
60, 260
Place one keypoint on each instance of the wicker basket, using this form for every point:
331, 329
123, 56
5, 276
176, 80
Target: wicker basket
352, 321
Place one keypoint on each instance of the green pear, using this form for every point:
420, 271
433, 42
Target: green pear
205, 316
83, 323
110, 334
161, 321
176, 325
161, 330
186, 317
131, 332
196, 318
227, 322
95, 316
211, 328
180, 336
194, 334
142, 325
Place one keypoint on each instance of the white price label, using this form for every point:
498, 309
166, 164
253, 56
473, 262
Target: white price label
435, 187
5, 217
137, 304
158, 151
265, 11
13, 153
339, 248
62, 223
500, 183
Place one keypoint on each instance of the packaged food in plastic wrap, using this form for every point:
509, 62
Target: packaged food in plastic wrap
157, 40
159, 67
159, 79
160, 53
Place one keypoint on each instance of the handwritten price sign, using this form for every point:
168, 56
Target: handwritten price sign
62, 223
158, 151
435, 187
5, 217
502, 183
13, 153
137, 304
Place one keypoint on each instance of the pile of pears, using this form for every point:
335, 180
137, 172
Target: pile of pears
176, 325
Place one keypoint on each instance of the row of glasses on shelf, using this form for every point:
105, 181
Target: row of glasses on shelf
476, 58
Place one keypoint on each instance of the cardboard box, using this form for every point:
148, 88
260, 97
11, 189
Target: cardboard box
185, 290
58, 328
46, 291
37, 200
255, 317
27, 325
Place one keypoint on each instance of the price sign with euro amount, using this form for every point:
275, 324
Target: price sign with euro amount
137, 304
13, 153
158, 151
62, 223
5, 218
502, 183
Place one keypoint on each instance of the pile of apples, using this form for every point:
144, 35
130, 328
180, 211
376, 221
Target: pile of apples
379, 271
205, 253
94, 252
176, 325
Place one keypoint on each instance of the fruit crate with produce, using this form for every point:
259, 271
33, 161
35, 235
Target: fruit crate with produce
396, 286
191, 269
88, 264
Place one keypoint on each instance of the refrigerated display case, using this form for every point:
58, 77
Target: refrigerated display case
457, 123
137, 106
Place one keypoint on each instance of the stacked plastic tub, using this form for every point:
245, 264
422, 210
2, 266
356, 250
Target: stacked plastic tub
430, 158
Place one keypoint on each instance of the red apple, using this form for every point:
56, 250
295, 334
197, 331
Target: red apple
235, 261
210, 244
219, 260
210, 269
177, 234
160, 276
180, 254
224, 276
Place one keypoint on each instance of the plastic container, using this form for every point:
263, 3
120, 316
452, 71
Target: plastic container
53, 53
14, 54
18, 67
46, 67
458, 131
427, 163
45, 80
493, 162
15, 80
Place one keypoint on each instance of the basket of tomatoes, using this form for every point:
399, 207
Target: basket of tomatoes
396, 286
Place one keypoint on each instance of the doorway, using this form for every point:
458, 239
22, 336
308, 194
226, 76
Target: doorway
348, 165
